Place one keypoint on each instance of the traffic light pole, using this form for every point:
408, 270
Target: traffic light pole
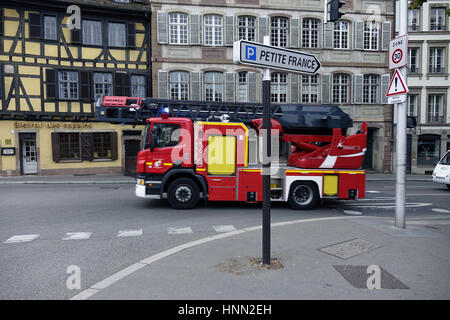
400, 193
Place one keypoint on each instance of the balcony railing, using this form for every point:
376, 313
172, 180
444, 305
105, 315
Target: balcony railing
436, 70
413, 27
413, 69
435, 119
437, 27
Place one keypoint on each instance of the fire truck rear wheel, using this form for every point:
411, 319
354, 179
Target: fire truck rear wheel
303, 195
183, 193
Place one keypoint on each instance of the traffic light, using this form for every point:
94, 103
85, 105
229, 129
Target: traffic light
335, 5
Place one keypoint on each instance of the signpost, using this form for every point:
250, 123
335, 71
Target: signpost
270, 57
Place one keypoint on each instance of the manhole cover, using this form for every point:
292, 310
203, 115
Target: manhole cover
351, 248
362, 277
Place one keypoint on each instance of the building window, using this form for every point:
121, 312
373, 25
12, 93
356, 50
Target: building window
435, 109
279, 87
243, 86
340, 35
213, 30
102, 146
117, 35
310, 33
436, 60
279, 31
92, 32
50, 30
310, 88
103, 84
370, 35
412, 105
428, 150
179, 85
138, 86
370, 88
413, 60
437, 19
122, 1
340, 88
68, 85
413, 20
213, 86
247, 28
178, 28
69, 144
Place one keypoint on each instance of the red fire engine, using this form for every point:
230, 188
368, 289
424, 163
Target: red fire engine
213, 150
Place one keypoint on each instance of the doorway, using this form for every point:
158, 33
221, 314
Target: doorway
29, 154
368, 157
132, 148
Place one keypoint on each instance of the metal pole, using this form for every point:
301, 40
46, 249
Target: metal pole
267, 126
401, 133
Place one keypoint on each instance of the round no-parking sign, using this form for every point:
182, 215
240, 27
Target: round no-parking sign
397, 52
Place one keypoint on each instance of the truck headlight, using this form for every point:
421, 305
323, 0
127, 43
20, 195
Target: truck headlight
140, 182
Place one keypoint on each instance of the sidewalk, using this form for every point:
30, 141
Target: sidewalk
317, 262
121, 179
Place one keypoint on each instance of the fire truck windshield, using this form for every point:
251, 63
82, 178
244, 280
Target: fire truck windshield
165, 135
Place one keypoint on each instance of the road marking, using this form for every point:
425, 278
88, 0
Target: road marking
429, 222
382, 205
77, 236
185, 230
353, 212
129, 233
134, 267
22, 238
373, 191
440, 210
224, 228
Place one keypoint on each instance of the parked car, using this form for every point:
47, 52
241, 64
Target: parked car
441, 173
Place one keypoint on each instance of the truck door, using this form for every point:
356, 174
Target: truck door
164, 137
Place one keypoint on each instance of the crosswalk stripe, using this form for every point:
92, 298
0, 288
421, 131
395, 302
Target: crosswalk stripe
129, 233
77, 236
224, 228
184, 230
22, 238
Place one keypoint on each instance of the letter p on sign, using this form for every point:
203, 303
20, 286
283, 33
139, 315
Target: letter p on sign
250, 53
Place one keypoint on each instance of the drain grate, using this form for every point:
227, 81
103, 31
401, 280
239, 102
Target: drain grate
351, 248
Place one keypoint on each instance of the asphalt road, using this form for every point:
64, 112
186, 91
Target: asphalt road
37, 269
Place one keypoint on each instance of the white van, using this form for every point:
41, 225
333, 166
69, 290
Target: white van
441, 173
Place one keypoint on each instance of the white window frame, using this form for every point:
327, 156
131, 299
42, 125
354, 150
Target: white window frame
179, 85
279, 31
279, 87
341, 83
371, 32
371, 84
246, 30
213, 86
68, 86
414, 20
437, 60
242, 92
310, 88
213, 30
435, 103
50, 28
138, 85
92, 32
103, 84
178, 28
437, 18
310, 33
116, 37
412, 104
410, 59
341, 32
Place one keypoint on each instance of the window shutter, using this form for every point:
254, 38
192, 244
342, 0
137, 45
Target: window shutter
328, 36
85, 85
295, 30
195, 29
86, 143
163, 84
326, 83
229, 30
386, 34
75, 36
121, 84
230, 87
385, 81
56, 149
294, 88
196, 85
357, 88
162, 27
2, 25
358, 35
35, 25
131, 35
252, 90
114, 146
263, 28
51, 83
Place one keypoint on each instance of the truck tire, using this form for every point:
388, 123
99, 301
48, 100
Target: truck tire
183, 193
448, 186
303, 195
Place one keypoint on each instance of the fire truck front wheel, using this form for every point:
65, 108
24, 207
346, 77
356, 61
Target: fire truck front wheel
303, 195
183, 193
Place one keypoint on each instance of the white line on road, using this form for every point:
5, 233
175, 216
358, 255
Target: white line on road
439, 210
129, 233
22, 238
372, 191
185, 230
353, 212
224, 228
77, 236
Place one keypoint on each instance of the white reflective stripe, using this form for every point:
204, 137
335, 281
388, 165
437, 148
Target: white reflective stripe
328, 162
